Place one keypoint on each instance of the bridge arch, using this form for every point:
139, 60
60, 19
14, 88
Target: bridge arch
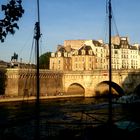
76, 89
102, 88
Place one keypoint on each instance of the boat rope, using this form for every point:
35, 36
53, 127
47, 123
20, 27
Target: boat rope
28, 76
114, 28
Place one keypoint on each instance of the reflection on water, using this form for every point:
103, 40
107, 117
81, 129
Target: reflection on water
19, 118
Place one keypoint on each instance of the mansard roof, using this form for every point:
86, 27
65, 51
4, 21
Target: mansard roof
124, 42
116, 46
133, 47
86, 48
97, 43
61, 48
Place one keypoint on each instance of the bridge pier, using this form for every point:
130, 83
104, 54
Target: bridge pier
90, 92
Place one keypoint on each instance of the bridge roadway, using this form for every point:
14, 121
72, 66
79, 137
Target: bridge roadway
19, 82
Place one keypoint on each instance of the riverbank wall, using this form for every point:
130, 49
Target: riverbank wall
22, 82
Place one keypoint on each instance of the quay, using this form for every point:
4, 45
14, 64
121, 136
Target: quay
30, 98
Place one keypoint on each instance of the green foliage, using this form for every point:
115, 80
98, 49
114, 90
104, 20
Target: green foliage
12, 11
44, 60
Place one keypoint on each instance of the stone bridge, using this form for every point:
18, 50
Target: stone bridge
93, 83
19, 82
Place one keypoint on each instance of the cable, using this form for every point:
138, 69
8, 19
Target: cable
115, 31
31, 51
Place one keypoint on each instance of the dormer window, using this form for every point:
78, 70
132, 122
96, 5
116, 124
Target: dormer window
65, 54
83, 52
52, 54
76, 52
90, 52
59, 54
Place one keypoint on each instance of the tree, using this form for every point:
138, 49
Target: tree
12, 11
44, 60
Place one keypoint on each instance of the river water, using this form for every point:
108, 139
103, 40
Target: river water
20, 120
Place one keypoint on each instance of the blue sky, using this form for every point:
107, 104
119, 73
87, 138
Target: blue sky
69, 19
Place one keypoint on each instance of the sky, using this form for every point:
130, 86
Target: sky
62, 20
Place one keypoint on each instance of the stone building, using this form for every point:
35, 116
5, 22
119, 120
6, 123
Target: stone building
79, 55
83, 59
124, 55
61, 59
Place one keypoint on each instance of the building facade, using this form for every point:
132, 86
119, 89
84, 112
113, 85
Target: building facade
79, 55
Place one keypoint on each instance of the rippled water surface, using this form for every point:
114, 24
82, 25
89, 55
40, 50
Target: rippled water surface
21, 118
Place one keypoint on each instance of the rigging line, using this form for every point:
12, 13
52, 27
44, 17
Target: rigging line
40, 45
113, 20
31, 50
107, 7
27, 77
106, 34
25, 44
33, 10
106, 29
114, 25
25, 92
114, 28
103, 29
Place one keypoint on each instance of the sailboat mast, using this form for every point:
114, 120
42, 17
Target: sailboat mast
110, 67
37, 37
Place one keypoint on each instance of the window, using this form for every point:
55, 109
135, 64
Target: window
90, 52
59, 54
90, 59
116, 52
83, 52
96, 50
59, 61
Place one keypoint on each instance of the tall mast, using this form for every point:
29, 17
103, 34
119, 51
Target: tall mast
110, 67
37, 37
